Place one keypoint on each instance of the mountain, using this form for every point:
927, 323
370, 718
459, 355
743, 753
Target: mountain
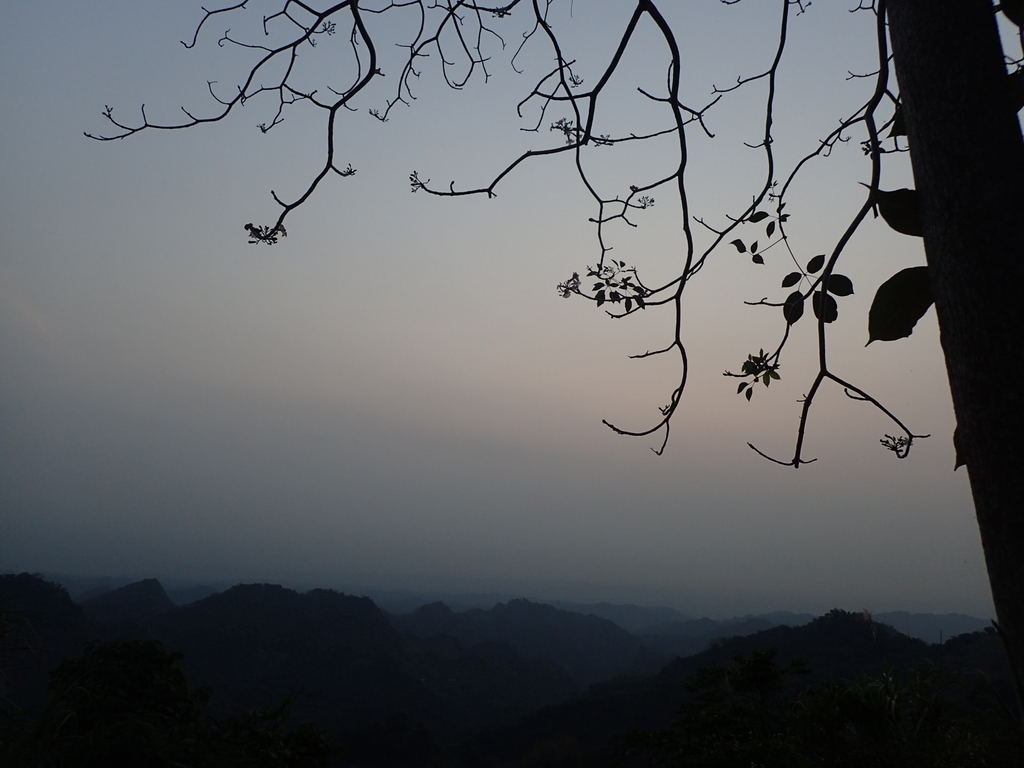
138, 601
39, 626
931, 627
506, 685
638, 619
346, 665
190, 594
591, 729
588, 648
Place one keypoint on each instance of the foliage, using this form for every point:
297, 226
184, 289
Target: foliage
744, 715
128, 703
390, 699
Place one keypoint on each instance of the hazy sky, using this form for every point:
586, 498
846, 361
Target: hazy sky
396, 396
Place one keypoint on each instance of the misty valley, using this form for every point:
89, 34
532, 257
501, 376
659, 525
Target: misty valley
263, 675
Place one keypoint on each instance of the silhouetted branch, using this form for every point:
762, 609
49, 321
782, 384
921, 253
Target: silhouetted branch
459, 38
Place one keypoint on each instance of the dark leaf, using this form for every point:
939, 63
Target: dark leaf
840, 285
753, 247
898, 304
629, 304
770, 229
791, 279
766, 379
750, 394
600, 298
899, 209
739, 246
793, 309
640, 302
825, 307
757, 258
1014, 11
743, 385
899, 126
815, 264
759, 216
615, 296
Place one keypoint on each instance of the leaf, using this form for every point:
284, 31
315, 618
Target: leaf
750, 394
840, 285
759, 216
791, 279
743, 385
899, 208
898, 304
753, 247
600, 298
815, 264
739, 246
899, 125
770, 229
793, 309
825, 307
1014, 11
629, 304
757, 258
766, 379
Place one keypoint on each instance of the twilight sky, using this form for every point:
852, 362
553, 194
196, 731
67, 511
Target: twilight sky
395, 396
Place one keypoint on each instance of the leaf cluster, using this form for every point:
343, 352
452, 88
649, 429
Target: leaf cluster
822, 300
268, 235
761, 367
614, 283
769, 230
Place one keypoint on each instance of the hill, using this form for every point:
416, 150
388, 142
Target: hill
432, 687
588, 648
592, 728
138, 601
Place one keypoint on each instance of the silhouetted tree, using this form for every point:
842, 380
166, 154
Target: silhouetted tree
128, 703
751, 713
956, 111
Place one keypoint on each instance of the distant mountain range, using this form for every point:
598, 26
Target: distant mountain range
636, 619
497, 679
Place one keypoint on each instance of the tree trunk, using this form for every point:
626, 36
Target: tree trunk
968, 160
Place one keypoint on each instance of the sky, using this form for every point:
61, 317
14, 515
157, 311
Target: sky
395, 397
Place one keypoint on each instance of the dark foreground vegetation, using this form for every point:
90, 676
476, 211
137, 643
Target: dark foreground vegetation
264, 676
